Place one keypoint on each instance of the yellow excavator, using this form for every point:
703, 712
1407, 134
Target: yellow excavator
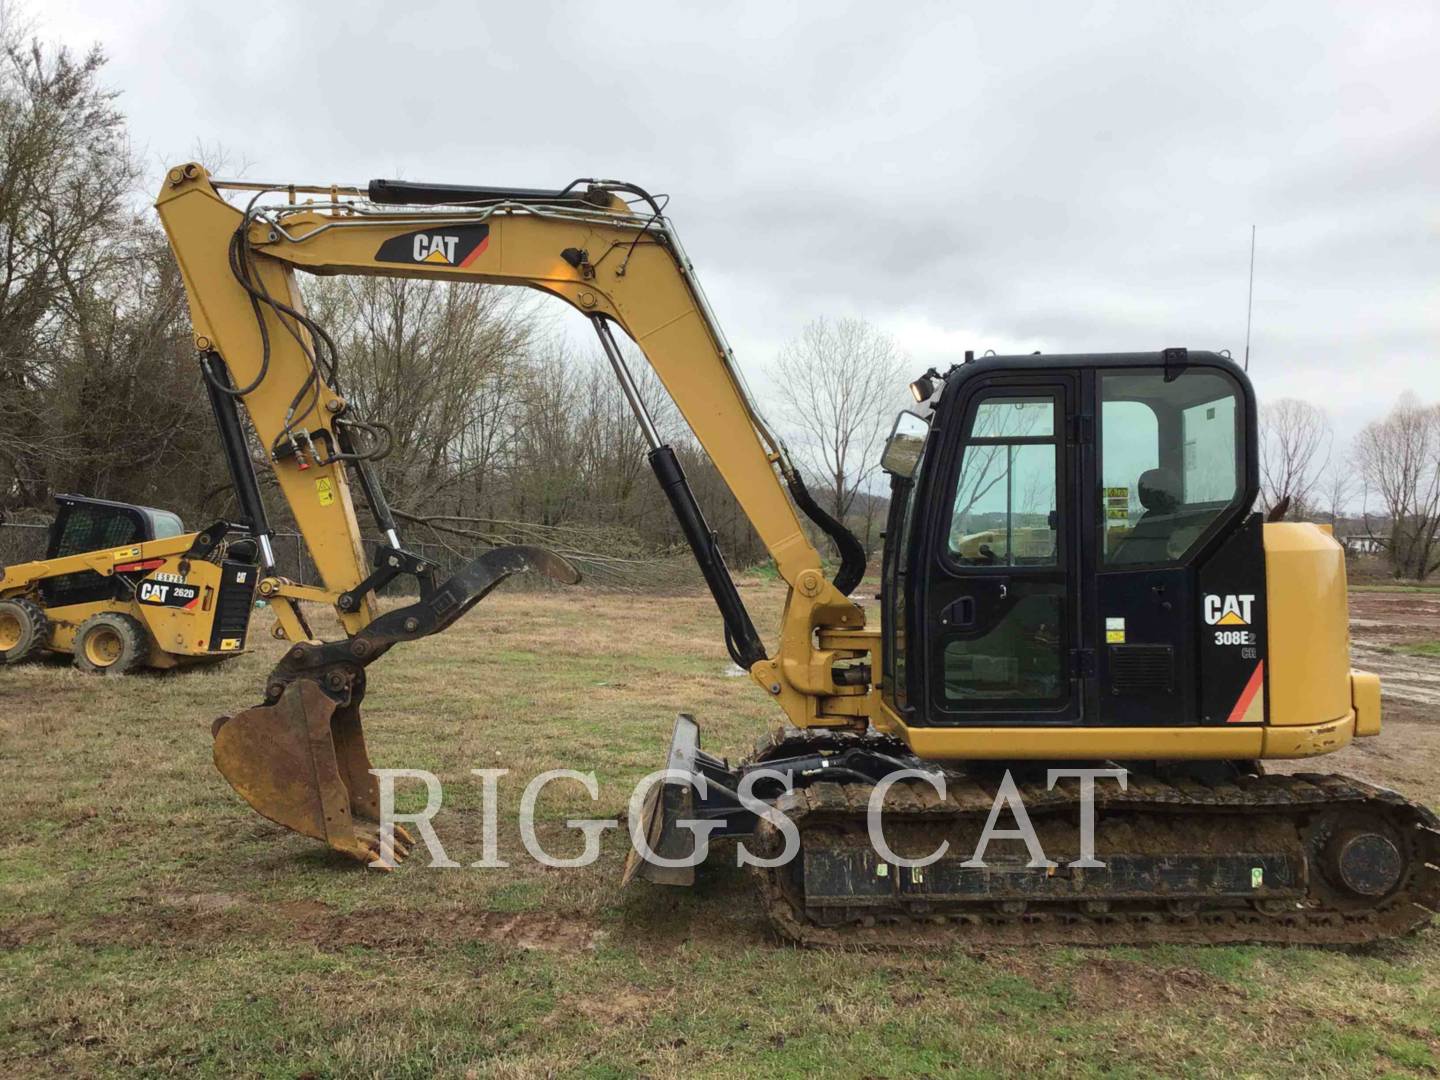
124, 587
1124, 605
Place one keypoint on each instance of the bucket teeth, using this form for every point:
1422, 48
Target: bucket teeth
301, 762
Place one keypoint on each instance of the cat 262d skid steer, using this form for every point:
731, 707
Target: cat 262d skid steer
123, 587
1073, 574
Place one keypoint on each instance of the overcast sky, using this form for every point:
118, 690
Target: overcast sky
1067, 177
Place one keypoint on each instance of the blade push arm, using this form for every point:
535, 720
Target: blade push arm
590, 249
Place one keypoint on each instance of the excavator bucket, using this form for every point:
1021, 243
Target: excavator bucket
302, 763
300, 760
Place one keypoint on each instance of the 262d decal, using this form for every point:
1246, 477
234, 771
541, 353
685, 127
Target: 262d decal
167, 594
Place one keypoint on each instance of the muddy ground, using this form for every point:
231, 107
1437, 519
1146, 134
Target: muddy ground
1407, 753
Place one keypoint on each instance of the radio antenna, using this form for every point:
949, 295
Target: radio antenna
1250, 303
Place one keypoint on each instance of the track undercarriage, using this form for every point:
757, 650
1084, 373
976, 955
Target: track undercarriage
1198, 854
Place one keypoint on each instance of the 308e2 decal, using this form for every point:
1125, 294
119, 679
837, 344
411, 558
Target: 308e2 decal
1230, 611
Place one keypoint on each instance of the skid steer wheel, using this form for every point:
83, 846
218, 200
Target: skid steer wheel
110, 644
24, 630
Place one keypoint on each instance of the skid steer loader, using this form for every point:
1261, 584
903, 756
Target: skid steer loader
124, 587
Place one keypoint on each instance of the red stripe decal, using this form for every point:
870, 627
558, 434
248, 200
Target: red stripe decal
480, 247
1247, 695
144, 564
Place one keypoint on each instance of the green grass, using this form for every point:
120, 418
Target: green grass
1413, 587
1419, 648
151, 923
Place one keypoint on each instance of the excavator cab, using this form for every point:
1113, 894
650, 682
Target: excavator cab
1054, 542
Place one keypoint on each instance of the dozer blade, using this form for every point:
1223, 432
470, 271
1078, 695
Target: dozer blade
302, 763
675, 805
665, 805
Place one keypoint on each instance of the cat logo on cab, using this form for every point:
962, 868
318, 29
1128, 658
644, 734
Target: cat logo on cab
1230, 610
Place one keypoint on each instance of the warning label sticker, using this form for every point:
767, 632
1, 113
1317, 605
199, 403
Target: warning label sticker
1117, 504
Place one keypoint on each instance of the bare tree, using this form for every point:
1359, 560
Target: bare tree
442, 365
838, 383
98, 391
65, 175
1295, 440
1338, 488
1399, 458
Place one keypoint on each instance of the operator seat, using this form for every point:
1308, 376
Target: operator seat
1149, 541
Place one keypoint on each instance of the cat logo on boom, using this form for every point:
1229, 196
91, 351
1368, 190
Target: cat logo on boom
439, 248
458, 246
1228, 610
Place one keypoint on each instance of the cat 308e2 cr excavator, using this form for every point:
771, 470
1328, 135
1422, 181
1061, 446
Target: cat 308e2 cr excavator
1073, 574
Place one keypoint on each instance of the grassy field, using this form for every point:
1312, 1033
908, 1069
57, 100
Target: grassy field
150, 922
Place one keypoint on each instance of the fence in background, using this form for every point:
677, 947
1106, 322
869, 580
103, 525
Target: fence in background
25, 542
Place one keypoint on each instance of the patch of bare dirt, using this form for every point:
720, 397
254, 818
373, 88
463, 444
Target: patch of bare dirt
1105, 983
1393, 618
21, 932
1381, 621
619, 1007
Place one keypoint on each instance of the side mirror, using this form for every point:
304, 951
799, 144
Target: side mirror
905, 444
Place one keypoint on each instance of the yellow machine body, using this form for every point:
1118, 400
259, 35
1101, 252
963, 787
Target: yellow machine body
169, 600
624, 267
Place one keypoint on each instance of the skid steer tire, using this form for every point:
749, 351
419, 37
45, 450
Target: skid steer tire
24, 630
111, 644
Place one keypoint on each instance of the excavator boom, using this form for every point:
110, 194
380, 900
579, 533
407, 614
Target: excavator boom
299, 757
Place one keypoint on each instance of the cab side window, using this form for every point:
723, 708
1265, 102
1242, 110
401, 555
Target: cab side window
1170, 462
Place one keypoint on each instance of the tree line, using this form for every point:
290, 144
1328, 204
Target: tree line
1386, 488
504, 431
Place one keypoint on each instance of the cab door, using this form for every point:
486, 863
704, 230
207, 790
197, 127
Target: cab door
1001, 618
1172, 495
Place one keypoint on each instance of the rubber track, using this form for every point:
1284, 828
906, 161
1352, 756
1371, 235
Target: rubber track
1293, 797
